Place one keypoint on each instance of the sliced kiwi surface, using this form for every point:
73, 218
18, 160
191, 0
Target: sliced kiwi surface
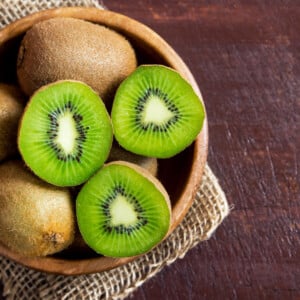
156, 112
65, 133
123, 210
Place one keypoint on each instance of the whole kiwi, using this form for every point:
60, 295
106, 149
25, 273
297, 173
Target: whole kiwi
69, 48
36, 218
11, 109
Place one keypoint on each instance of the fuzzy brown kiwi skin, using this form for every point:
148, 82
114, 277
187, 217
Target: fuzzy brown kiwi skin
119, 153
68, 48
11, 109
36, 218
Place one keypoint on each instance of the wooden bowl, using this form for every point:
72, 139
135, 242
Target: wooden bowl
181, 175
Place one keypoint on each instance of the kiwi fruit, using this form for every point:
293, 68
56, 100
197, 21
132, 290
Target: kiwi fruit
123, 210
69, 48
156, 112
36, 218
119, 153
11, 109
65, 133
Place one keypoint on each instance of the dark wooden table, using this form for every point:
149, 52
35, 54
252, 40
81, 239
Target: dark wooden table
245, 58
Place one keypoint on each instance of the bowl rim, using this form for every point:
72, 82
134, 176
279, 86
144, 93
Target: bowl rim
140, 32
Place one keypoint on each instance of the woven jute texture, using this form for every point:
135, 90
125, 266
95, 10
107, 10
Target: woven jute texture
209, 209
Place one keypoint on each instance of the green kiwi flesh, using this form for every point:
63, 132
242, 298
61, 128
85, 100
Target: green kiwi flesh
69, 48
65, 133
11, 109
123, 210
36, 218
156, 112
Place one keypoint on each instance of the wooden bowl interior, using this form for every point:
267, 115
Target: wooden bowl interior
180, 175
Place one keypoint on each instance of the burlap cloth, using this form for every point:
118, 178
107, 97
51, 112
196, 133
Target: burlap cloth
207, 212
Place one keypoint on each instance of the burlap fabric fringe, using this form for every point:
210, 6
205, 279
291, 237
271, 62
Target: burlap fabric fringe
207, 212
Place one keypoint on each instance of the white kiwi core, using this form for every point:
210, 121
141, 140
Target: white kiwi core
155, 111
67, 132
122, 212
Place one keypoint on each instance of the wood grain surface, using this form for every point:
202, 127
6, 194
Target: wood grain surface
245, 58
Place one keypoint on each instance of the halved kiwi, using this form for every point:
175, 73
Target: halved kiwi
123, 210
65, 133
156, 112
